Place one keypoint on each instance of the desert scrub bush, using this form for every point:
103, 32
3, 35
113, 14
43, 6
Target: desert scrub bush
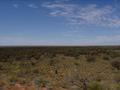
76, 64
64, 83
115, 54
116, 64
106, 57
52, 62
40, 82
77, 57
78, 80
52, 55
90, 58
117, 77
12, 79
115, 87
95, 86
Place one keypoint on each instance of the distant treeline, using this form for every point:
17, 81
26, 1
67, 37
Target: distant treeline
52, 51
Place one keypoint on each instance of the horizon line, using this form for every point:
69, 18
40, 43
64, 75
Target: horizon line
58, 45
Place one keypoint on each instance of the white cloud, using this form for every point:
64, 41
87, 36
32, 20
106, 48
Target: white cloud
87, 15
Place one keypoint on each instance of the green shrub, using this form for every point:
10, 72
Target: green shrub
91, 58
95, 86
118, 87
116, 64
12, 79
41, 82
115, 87
76, 64
106, 57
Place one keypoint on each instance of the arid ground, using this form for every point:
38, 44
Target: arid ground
60, 68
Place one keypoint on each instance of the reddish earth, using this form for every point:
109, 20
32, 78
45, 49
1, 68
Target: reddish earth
17, 86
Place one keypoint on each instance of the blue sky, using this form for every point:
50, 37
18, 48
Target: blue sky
59, 22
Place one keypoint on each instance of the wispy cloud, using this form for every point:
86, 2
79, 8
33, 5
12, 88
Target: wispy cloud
32, 6
15, 5
85, 15
98, 40
58, 1
109, 38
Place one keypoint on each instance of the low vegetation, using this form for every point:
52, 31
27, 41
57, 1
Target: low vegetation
60, 68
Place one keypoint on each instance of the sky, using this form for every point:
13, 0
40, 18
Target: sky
59, 22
